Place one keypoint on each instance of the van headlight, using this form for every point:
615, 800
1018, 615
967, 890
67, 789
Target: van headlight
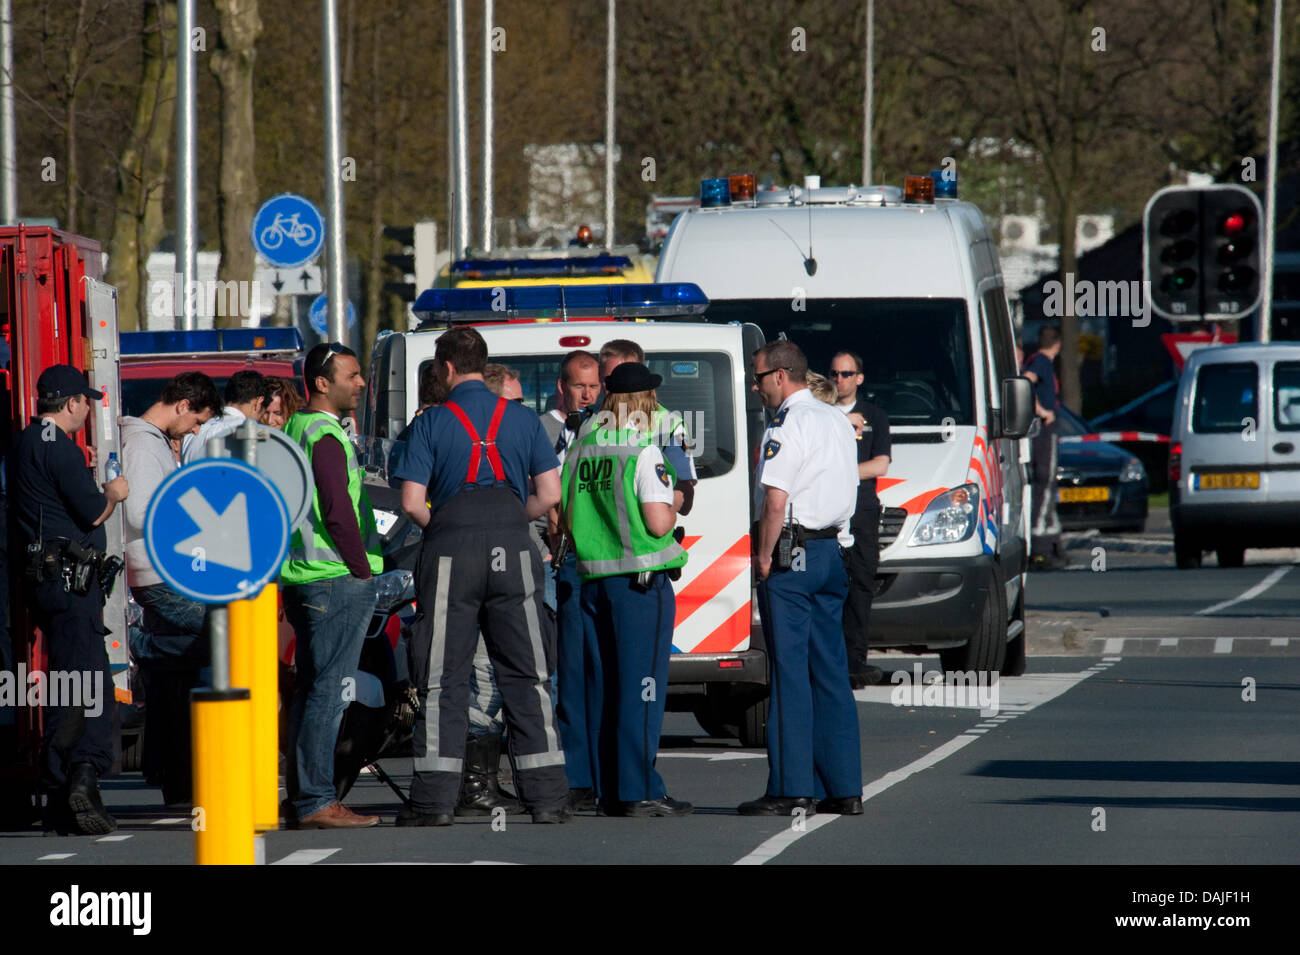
950, 518
1132, 472
393, 589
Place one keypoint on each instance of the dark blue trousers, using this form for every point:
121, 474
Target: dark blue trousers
812, 723
628, 683
574, 658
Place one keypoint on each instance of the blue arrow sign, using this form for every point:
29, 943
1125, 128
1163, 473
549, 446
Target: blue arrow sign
288, 231
319, 313
217, 530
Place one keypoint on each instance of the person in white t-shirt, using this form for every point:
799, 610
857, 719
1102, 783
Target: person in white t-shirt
247, 392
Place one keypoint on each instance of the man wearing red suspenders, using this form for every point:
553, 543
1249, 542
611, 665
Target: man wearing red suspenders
465, 475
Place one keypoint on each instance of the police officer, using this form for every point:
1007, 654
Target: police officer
805, 491
60, 515
872, 427
465, 480
620, 507
1045, 526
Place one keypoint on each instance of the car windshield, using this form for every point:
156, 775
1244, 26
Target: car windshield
916, 353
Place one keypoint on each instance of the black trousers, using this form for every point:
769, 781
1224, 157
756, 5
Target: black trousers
478, 569
862, 559
79, 730
1044, 526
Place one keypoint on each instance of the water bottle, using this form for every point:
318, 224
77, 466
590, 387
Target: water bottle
112, 469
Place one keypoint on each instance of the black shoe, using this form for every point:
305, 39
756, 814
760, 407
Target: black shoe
480, 791
667, 806
582, 799
552, 816
413, 817
777, 806
846, 806
867, 676
84, 802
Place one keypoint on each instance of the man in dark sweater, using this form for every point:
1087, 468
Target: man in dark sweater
1045, 527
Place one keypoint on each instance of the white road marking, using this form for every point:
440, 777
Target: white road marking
1223, 644
306, 856
168, 822
1273, 577
117, 838
713, 757
975, 732
1279, 642
1111, 659
56, 856
1025, 693
1113, 645
1168, 641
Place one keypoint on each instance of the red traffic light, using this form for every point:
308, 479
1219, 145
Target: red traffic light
1233, 224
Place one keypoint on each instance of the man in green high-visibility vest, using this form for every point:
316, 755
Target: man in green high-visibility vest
329, 587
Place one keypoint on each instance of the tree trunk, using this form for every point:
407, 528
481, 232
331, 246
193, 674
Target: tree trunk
1071, 388
232, 64
142, 169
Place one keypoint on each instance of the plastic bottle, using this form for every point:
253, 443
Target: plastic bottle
112, 469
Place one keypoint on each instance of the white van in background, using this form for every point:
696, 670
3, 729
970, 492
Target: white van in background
1234, 454
915, 289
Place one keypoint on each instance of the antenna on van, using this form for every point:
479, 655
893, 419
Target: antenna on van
809, 263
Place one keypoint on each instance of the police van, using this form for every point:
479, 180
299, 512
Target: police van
912, 284
718, 669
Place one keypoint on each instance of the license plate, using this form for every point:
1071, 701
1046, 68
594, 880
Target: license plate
1237, 481
1081, 495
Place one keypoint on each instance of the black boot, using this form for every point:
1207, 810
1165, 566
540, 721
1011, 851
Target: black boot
83, 799
480, 791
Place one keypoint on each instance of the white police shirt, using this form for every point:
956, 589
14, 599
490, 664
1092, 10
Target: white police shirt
810, 452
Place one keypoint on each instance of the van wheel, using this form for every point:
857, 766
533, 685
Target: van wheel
1230, 555
132, 752
753, 724
1187, 553
1014, 664
986, 650
706, 715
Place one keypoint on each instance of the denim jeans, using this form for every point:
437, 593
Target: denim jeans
484, 697
330, 618
172, 634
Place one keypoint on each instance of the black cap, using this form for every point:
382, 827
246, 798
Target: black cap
64, 381
631, 376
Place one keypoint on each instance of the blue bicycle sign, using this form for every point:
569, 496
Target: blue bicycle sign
288, 231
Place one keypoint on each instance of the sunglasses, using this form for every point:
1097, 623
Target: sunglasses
760, 375
844, 374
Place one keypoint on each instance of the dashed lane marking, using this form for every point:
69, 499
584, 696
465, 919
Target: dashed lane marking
1113, 645
1223, 644
169, 821
1279, 642
56, 856
306, 856
1169, 641
121, 837
1028, 692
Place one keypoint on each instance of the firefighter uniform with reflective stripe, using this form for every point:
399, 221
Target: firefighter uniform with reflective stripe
478, 567
606, 479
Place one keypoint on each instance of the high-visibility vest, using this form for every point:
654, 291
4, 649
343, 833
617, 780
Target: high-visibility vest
312, 554
602, 511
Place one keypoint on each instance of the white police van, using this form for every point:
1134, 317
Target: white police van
912, 285
718, 669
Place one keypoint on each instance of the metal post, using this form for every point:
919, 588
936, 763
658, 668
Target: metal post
609, 126
870, 84
1270, 207
8, 159
219, 632
187, 220
460, 225
335, 248
487, 125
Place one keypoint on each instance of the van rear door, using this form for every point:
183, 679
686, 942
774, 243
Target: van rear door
1226, 454
1284, 441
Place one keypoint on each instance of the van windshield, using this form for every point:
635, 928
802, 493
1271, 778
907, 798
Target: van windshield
916, 354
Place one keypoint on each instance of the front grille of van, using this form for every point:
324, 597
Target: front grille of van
891, 525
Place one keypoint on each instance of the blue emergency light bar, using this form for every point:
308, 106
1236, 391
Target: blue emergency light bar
210, 341
540, 268
558, 302
944, 188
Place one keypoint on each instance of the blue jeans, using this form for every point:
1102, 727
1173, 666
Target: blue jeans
330, 618
173, 634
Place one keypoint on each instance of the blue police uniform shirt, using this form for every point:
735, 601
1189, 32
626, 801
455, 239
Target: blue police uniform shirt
438, 448
1045, 387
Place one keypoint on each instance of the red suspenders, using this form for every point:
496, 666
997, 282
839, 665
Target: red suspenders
478, 445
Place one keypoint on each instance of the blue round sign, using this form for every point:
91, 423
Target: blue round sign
288, 231
319, 313
217, 530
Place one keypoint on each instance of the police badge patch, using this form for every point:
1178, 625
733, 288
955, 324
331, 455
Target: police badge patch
770, 449
662, 473
780, 418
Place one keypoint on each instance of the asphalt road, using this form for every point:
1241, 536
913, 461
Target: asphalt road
1156, 725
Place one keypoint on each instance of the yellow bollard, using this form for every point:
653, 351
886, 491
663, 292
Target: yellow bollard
223, 788
254, 663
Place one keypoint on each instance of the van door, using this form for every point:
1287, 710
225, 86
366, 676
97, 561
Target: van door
1284, 441
1224, 455
1001, 364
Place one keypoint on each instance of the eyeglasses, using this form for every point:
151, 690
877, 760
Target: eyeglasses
760, 375
844, 374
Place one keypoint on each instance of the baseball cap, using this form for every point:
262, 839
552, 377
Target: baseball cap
631, 376
64, 381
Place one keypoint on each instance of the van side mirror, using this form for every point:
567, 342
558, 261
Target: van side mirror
1017, 407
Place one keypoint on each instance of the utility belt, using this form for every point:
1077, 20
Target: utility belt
71, 566
794, 535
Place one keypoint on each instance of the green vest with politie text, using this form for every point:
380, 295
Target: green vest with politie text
312, 554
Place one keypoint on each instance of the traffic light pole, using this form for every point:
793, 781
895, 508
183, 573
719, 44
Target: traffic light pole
1270, 209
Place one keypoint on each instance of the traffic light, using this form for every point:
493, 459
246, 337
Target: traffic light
1201, 252
416, 260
